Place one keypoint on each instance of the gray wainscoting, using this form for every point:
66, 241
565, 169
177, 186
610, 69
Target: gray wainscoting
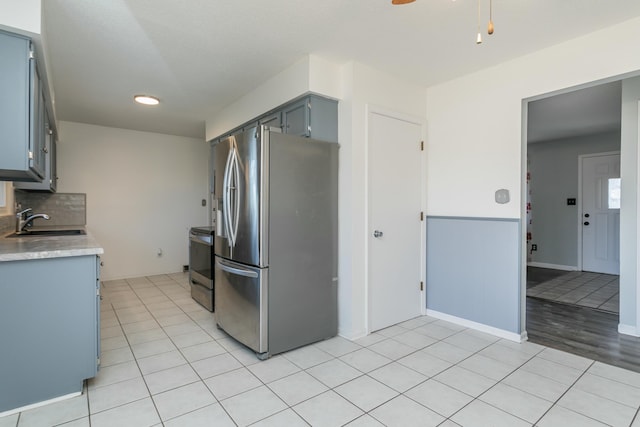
473, 270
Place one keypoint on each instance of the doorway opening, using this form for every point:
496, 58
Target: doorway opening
572, 221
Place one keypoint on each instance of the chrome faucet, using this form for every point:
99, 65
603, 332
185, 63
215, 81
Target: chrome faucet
23, 221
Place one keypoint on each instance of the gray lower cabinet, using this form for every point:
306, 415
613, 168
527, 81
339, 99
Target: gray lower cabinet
22, 108
49, 328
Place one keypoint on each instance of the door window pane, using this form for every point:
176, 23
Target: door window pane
614, 193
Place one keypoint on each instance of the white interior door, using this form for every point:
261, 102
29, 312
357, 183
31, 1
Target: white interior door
601, 213
394, 196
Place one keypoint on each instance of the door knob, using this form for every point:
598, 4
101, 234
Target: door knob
377, 233
586, 215
586, 223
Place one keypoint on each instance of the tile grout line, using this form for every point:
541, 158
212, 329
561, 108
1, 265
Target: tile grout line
557, 401
138, 366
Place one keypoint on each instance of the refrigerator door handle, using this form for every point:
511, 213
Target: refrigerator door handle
234, 270
225, 197
236, 202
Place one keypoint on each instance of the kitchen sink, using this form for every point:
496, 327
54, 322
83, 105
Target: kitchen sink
51, 233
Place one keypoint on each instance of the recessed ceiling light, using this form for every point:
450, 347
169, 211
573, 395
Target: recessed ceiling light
146, 99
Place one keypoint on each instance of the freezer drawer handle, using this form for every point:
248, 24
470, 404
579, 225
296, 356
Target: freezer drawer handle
238, 271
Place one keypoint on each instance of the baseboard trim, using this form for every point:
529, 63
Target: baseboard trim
501, 333
628, 330
352, 336
553, 266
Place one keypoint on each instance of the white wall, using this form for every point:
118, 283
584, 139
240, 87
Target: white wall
7, 208
475, 121
475, 125
24, 15
629, 161
144, 191
362, 87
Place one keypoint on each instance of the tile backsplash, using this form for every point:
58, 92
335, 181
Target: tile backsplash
64, 209
7, 223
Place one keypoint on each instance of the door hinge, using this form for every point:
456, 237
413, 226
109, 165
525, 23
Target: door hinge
98, 361
30, 155
422, 286
421, 145
421, 216
32, 54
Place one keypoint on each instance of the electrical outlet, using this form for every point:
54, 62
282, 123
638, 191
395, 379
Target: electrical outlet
185, 268
534, 247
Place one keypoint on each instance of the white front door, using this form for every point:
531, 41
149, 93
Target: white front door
601, 213
395, 199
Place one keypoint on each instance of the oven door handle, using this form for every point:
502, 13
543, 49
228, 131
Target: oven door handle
235, 270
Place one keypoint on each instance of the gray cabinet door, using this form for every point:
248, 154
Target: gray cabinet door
50, 347
98, 298
273, 120
49, 154
295, 118
14, 105
52, 164
37, 150
21, 111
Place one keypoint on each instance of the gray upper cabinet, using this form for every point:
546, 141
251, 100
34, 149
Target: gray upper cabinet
22, 106
295, 118
50, 180
323, 118
273, 120
311, 116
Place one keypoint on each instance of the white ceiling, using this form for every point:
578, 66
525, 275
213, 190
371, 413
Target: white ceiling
582, 112
198, 56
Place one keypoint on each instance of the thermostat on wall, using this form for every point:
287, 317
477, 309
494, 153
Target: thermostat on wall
502, 196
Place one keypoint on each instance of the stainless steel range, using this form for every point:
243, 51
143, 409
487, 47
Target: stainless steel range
201, 265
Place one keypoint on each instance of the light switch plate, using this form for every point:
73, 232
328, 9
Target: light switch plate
502, 196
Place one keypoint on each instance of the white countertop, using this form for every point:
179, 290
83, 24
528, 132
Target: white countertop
38, 247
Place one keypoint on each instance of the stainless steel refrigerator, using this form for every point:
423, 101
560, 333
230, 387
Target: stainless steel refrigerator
275, 264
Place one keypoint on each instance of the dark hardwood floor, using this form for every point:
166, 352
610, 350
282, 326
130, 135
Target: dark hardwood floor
583, 331
537, 275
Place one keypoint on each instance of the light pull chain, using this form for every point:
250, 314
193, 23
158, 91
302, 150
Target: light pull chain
479, 37
490, 26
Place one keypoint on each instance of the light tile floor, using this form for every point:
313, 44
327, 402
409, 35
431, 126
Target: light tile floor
586, 289
164, 362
